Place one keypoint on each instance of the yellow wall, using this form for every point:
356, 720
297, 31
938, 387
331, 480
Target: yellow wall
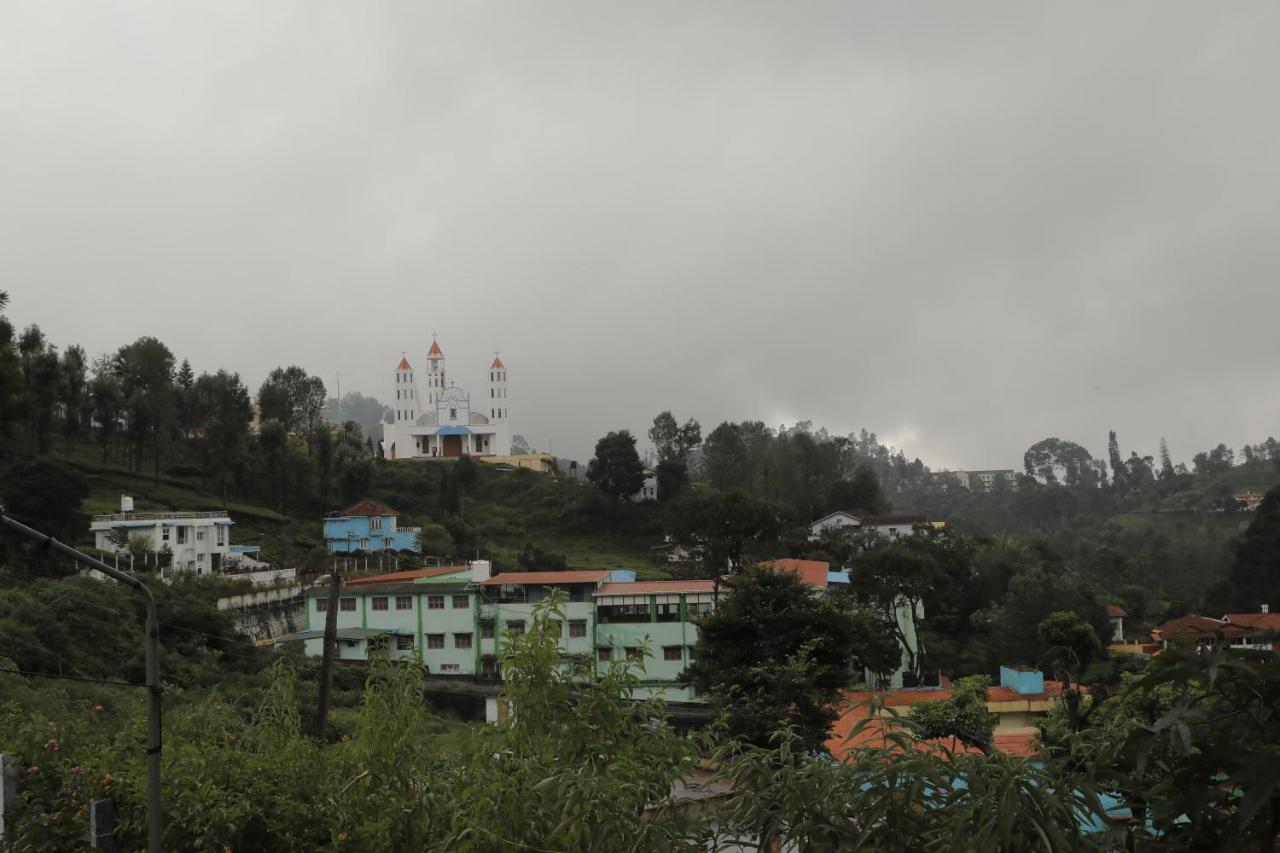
543, 463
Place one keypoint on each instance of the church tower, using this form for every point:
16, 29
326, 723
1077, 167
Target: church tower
497, 390
407, 402
435, 373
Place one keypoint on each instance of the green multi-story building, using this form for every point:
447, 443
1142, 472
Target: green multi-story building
457, 618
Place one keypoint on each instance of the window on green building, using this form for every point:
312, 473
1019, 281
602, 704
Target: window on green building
322, 605
486, 630
347, 604
435, 602
604, 654
462, 641
577, 627
404, 602
515, 626
634, 653
404, 644
461, 602
669, 611
379, 602
435, 641
672, 653
623, 608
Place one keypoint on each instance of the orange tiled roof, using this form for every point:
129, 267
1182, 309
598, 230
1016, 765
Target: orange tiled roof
654, 587
435, 349
408, 575
364, 508
811, 572
497, 364
1116, 611
404, 364
545, 578
1257, 621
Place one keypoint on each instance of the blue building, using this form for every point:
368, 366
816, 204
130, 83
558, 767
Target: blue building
368, 526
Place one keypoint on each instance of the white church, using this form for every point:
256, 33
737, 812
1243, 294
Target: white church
440, 420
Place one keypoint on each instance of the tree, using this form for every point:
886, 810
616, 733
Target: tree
774, 654
1054, 460
434, 540
1032, 597
294, 398
860, 493
724, 530
519, 445
893, 579
1166, 461
1119, 471
73, 391
47, 496
1073, 645
145, 369
108, 406
964, 716
226, 428
186, 380
1254, 577
616, 467
725, 458
673, 442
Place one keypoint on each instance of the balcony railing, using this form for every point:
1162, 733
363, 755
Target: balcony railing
156, 516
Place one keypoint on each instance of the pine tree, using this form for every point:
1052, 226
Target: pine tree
1166, 463
1119, 471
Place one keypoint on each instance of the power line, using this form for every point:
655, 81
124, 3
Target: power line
71, 678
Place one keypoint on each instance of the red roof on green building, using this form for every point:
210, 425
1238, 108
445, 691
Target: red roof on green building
545, 578
656, 587
407, 576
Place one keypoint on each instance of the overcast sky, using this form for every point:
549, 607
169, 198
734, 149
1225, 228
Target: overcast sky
963, 226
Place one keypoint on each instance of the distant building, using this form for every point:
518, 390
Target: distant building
976, 481
368, 526
648, 488
1117, 616
195, 542
1251, 632
891, 526
440, 420
1249, 499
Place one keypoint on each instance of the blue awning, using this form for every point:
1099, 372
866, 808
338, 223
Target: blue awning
453, 430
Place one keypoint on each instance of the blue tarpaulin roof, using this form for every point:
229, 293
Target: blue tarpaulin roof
453, 430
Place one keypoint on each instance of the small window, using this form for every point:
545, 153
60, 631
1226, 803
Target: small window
453, 414
669, 612
462, 641
672, 653
379, 602
604, 653
322, 605
461, 602
486, 630
515, 626
404, 644
450, 667
164, 533
691, 648
634, 653
435, 641
199, 535
577, 627
348, 605
404, 602
435, 602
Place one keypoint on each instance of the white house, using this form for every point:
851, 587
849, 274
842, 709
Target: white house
199, 542
440, 420
885, 525
648, 489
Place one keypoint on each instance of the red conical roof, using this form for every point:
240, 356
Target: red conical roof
435, 350
497, 364
404, 364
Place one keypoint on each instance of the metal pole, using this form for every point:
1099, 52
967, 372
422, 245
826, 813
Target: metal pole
155, 822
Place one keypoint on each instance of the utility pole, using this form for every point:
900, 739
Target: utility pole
155, 822
330, 651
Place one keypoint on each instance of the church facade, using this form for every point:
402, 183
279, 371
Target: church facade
435, 419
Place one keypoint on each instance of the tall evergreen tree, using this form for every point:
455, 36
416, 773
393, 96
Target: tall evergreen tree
1166, 462
1119, 471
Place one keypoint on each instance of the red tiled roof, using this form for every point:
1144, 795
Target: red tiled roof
404, 364
405, 576
1257, 621
497, 364
1116, 611
1190, 625
545, 578
364, 508
1019, 745
435, 349
655, 587
811, 572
